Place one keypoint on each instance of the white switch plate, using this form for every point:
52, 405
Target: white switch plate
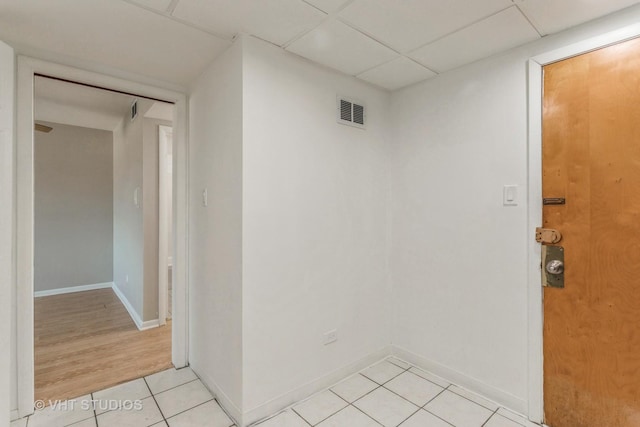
136, 197
205, 197
510, 195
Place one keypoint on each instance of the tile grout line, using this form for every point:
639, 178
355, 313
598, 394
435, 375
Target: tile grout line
382, 386
490, 416
392, 378
156, 402
95, 414
374, 420
360, 373
431, 381
303, 418
187, 410
215, 399
355, 407
171, 388
479, 404
415, 404
434, 398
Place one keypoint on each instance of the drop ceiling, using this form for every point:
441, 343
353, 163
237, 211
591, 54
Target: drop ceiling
389, 43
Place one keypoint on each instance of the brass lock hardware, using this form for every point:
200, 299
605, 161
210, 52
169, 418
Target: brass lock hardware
553, 266
547, 235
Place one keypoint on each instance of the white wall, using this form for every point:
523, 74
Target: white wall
127, 217
293, 241
136, 227
314, 228
458, 257
73, 207
150, 197
215, 271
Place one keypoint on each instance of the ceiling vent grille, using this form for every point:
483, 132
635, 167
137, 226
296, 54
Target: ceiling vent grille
351, 112
134, 110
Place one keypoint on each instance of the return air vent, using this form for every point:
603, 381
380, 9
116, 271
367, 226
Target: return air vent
351, 112
134, 110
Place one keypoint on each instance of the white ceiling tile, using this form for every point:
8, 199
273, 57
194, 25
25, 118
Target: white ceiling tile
160, 5
328, 6
277, 21
396, 74
338, 46
110, 33
497, 33
405, 25
551, 16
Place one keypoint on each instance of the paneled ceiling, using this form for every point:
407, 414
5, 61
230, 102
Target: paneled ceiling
389, 43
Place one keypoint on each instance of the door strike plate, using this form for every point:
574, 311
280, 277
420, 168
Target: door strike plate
547, 235
553, 266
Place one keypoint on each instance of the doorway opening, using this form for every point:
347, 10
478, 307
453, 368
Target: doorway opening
98, 318
139, 312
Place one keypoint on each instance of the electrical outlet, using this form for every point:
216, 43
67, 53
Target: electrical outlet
126, 279
330, 336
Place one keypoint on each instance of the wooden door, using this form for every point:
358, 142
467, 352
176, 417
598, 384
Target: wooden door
591, 157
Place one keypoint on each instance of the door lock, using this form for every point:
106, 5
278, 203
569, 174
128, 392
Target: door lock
553, 262
547, 235
555, 267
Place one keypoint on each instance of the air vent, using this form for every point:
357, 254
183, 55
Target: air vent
351, 112
345, 110
358, 114
134, 110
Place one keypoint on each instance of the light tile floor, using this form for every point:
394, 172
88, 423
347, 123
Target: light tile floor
174, 398
393, 393
390, 393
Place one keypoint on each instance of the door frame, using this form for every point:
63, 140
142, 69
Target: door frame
26, 69
534, 295
163, 224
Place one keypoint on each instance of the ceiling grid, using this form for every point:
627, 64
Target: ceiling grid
390, 44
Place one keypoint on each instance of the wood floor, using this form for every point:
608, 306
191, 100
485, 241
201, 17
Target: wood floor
86, 341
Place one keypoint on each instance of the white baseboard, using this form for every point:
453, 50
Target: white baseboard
501, 397
303, 392
149, 324
71, 289
133, 313
227, 404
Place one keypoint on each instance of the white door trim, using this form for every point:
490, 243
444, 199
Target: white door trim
7, 96
27, 68
163, 224
535, 313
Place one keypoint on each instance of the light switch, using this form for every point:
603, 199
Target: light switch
136, 197
510, 195
205, 197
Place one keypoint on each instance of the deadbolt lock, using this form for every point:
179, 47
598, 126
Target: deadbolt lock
547, 235
553, 266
